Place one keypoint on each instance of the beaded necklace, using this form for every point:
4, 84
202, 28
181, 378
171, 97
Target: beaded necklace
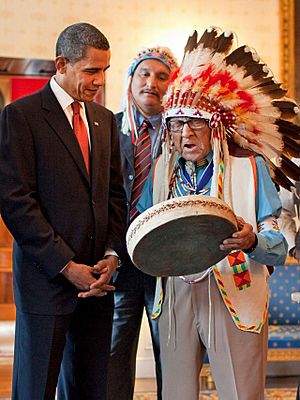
184, 180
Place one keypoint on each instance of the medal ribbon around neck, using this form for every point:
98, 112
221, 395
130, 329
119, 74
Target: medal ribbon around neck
205, 177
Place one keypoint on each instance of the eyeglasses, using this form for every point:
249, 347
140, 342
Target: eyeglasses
176, 125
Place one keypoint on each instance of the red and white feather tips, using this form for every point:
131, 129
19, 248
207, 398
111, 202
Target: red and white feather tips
236, 89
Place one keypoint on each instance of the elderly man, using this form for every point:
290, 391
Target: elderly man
219, 114
140, 128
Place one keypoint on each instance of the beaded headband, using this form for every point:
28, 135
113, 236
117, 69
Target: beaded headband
162, 54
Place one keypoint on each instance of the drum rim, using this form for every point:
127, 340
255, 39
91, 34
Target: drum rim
175, 204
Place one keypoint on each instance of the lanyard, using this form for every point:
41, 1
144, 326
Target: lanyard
205, 177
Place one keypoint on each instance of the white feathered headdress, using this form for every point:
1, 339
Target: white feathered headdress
238, 94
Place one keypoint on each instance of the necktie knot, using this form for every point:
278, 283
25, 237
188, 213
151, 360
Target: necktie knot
144, 127
75, 107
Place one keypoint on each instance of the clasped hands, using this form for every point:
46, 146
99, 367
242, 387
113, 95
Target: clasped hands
243, 239
92, 281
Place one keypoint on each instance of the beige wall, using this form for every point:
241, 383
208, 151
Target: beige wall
29, 28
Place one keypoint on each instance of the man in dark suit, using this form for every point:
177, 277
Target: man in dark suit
66, 208
148, 79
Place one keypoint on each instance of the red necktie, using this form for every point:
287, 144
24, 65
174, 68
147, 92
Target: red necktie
142, 164
81, 134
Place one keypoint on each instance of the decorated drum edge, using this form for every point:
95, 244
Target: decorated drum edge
174, 209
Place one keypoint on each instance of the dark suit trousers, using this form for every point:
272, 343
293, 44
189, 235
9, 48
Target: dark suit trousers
39, 344
81, 339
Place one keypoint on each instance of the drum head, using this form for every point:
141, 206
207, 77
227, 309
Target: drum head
181, 245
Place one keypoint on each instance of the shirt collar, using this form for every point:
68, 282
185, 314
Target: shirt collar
155, 120
64, 99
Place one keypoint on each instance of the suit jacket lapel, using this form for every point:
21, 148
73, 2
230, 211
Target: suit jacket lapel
127, 150
98, 138
57, 119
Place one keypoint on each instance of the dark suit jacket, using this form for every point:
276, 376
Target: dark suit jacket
127, 160
52, 208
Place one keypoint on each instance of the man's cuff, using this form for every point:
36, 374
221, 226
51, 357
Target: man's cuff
111, 252
62, 270
251, 249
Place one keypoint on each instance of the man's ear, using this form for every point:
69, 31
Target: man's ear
61, 64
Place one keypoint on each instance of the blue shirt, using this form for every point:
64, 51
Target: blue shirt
272, 246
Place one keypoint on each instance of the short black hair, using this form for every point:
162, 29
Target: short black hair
75, 39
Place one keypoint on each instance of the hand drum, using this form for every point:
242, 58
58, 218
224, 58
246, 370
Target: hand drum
180, 236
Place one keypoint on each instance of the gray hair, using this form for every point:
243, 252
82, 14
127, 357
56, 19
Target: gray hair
75, 39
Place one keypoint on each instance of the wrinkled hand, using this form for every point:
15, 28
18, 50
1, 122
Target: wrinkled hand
243, 239
100, 286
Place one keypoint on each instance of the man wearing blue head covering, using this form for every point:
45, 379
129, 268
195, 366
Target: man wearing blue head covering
140, 130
